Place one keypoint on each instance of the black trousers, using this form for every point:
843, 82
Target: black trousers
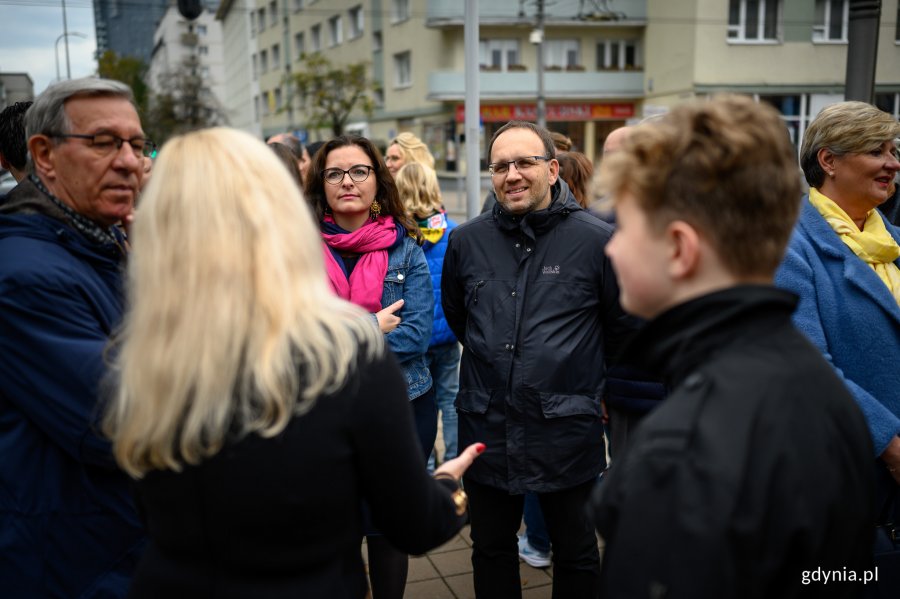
495, 516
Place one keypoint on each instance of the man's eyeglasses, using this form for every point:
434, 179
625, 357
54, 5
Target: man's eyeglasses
522, 164
358, 173
106, 143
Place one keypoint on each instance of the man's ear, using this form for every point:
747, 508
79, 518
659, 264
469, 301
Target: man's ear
4, 163
42, 150
684, 245
554, 170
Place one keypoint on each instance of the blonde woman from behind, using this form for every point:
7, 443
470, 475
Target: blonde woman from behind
246, 407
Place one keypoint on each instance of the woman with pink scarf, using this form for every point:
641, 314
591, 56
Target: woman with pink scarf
374, 259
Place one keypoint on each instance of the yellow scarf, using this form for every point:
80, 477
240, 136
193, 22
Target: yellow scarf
874, 245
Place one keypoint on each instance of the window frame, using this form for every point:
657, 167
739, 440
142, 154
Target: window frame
335, 31
315, 37
561, 46
621, 46
399, 81
356, 20
504, 45
822, 30
400, 11
740, 29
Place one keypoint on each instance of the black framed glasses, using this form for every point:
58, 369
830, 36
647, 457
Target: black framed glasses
358, 173
106, 143
522, 164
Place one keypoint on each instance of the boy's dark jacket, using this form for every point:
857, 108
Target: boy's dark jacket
755, 469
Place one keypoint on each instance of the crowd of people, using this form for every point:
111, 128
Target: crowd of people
218, 380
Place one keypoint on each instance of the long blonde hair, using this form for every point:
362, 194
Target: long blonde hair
413, 149
232, 325
419, 189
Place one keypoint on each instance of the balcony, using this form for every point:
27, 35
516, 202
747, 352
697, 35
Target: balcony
451, 13
451, 85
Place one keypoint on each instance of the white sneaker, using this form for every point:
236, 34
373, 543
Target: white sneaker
531, 556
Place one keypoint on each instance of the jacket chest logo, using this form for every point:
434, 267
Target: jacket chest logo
550, 270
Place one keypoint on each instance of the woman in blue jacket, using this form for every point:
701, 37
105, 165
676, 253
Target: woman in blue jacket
374, 259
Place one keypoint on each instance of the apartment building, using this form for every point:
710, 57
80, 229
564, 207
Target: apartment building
126, 27
605, 62
196, 44
240, 86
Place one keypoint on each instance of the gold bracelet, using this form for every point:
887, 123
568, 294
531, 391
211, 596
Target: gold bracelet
459, 497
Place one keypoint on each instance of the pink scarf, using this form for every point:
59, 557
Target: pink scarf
366, 282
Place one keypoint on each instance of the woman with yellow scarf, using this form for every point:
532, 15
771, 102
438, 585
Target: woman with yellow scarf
843, 263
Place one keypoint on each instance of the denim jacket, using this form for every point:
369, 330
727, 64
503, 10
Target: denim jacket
408, 278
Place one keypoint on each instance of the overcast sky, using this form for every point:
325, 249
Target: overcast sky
28, 33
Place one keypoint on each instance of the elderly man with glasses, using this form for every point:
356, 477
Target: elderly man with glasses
68, 527
530, 294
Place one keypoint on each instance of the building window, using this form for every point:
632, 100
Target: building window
498, 54
378, 97
753, 20
403, 69
278, 100
252, 23
298, 5
201, 29
355, 16
890, 103
618, 55
276, 57
255, 108
203, 50
377, 42
335, 31
399, 11
315, 37
299, 44
263, 61
255, 67
261, 19
204, 72
273, 13
832, 17
562, 54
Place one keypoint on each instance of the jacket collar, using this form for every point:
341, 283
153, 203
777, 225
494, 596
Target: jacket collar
531, 224
857, 273
678, 341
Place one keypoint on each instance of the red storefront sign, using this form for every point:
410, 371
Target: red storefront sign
500, 113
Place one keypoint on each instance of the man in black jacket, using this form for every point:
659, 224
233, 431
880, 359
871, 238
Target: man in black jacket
756, 472
531, 296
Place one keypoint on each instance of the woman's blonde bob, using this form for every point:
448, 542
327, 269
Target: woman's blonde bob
413, 149
232, 326
419, 190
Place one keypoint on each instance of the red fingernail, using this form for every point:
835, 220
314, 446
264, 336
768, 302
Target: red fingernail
479, 447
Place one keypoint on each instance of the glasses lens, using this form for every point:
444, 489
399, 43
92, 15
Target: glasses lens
499, 168
334, 175
525, 163
359, 173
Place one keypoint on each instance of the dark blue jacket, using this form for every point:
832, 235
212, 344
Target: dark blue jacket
434, 255
68, 526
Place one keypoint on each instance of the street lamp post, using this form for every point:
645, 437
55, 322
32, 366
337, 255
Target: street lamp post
56, 52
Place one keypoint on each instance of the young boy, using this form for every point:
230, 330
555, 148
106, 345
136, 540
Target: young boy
756, 470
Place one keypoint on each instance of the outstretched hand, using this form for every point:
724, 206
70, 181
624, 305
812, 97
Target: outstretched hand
458, 465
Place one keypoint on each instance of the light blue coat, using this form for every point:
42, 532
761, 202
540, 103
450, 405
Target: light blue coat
850, 315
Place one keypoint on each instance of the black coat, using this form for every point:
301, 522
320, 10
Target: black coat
756, 469
534, 302
281, 517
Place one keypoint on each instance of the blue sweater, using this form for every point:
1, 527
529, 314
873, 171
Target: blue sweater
850, 315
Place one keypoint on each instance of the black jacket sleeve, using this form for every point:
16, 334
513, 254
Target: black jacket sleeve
452, 292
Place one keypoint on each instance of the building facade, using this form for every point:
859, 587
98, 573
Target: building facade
605, 62
127, 27
240, 88
195, 45
15, 87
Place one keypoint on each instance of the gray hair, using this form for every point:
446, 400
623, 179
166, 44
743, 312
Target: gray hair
47, 116
844, 128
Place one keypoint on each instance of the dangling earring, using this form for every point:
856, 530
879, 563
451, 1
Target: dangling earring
374, 209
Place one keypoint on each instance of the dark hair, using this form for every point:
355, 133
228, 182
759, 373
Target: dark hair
576, 170
549, 148
13, 143
560, 141
385, 189
313, 147
287, 157
292, 142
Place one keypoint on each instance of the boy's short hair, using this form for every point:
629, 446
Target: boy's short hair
726, 166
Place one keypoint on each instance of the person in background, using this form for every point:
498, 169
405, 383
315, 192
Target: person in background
286, 156
300, 152
374, 259
576, 170
842, 263
755, 470
407, 148
13, 146
421, 195
266, 409
68, 523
